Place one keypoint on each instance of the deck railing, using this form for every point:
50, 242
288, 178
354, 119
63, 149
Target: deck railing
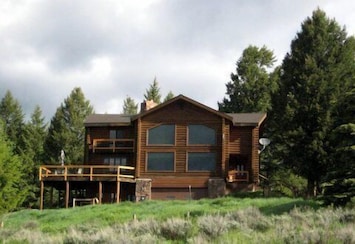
112, 144
238, 176
91, 172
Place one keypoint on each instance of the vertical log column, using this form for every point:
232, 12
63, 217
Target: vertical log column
42, 193
67, 191
100, 192
118, 192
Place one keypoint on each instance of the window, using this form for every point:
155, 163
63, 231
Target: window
117, 134
160, 161
201, 161
162, 134
201, 134
115, 162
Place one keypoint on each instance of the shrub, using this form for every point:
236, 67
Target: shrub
213, 225
176, 228
249, 219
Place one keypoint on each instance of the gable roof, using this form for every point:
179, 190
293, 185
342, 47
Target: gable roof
238, 119
183, 98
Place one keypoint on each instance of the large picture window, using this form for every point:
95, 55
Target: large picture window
162, 135
201, 161
160, 161
201, 134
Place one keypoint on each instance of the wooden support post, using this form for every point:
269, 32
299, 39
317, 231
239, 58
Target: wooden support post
67, 191
100, 192
42, 193
118, 192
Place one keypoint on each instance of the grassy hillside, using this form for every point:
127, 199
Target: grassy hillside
217, 220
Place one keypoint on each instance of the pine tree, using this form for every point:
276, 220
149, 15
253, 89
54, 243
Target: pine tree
35, 132
129, 106
153, 93
169, 96
252, 85
13, 117
340, 176
66, 131
12, 187
314, 75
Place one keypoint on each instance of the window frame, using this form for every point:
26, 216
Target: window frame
204, 152
161, 144
164, 170
200, 144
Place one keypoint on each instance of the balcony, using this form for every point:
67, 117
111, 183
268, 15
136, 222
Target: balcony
238, 176
112, 145
86, 173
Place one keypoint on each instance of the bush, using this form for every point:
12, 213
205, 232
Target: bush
176, 229
249, 219
213, 225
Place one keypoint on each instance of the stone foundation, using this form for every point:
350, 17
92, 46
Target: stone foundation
216, 187
143, 189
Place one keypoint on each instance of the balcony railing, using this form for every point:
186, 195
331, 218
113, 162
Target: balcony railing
238, 176
86, 172
113, 145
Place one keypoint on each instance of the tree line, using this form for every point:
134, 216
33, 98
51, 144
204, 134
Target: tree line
25, 145
309, 99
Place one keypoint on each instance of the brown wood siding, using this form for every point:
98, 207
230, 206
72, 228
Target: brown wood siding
240, 141
255, 155
181, 114
179, 193
185, 181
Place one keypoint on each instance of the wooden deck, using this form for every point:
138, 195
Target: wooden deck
90, 173
86, 173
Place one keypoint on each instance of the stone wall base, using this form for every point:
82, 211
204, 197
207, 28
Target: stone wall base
143, 189
216, 187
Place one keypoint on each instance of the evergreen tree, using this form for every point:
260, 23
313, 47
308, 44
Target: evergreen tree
252, 85
129, 106
34, 136
169, 96
340, 177
153, 93
314, 75
13, 117
66, 131
12, 187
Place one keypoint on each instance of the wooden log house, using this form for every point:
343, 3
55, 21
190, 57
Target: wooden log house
180, 149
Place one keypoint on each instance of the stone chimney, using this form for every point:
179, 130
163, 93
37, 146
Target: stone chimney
146, 105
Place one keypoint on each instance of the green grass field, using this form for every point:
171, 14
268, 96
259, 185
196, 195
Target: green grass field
221, 220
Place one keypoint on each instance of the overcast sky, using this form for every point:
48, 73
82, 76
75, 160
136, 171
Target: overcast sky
114, 49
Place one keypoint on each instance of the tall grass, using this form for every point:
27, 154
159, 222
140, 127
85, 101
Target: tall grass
223, 220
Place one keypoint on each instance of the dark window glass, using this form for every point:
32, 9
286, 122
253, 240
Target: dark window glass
160, 161
200, 161
201, 134
163, 134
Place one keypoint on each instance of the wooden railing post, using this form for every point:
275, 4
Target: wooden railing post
65, 172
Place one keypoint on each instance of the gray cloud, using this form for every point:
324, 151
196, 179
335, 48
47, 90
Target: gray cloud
113, 49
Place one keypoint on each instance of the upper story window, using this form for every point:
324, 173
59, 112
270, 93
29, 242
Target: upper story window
117, 134
162, 135
201, 135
